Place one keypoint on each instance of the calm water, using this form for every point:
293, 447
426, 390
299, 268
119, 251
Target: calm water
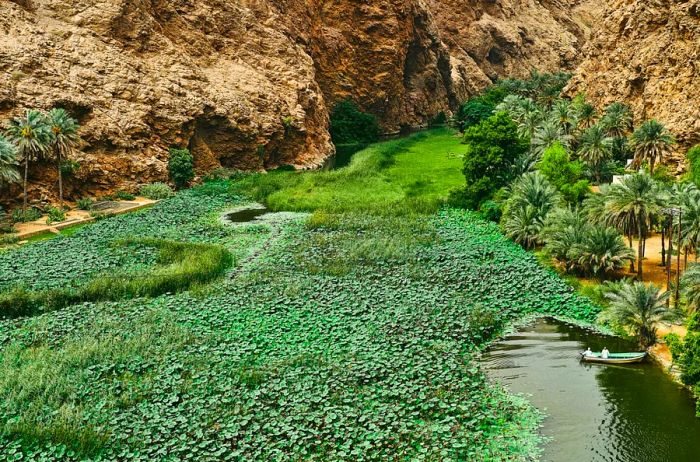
246, 215
596, 412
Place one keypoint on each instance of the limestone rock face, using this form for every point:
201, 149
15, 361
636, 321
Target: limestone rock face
647, 54
248, 83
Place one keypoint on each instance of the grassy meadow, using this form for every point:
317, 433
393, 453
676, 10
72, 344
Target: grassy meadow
353, 335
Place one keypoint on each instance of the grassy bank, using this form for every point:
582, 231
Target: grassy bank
353, 337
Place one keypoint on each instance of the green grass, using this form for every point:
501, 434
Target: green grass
180, 266
410, 175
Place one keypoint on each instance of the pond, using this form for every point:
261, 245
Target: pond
596, 412
247, 215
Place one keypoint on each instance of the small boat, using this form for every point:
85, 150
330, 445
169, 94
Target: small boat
614, 358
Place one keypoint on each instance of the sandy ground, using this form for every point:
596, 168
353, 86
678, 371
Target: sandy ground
75, 217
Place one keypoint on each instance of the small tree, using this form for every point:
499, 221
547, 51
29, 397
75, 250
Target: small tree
492, 148
651, 141
31, 135
180, 166
566, 175
639, 309
8, 162
595, 149
349, 125
63, 139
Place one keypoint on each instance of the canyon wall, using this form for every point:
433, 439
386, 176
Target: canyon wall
647, 54
248, 83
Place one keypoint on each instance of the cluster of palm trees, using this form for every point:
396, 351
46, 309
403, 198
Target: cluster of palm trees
37, 136
599, 140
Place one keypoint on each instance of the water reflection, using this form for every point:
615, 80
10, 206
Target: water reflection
596, 412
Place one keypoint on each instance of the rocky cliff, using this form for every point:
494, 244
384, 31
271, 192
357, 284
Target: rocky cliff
248, 83
647, 54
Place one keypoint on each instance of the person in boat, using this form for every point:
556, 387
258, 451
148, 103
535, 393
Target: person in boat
605, 353
588, 352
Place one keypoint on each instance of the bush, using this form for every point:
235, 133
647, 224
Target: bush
124, 196
85, 203
181, 167
20, 216
349, 125
55, 215
694, 165
566, 175
5, 222
69, 168
156, 191
492, 148
491, 210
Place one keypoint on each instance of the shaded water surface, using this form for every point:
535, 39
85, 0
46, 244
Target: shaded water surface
247, 215
596, 412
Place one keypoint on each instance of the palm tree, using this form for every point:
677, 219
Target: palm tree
64, 138
546, 135
595, 148
564, 114
564, 230
690, 284
8, 162
602, 251
30, 134
532, 198
633, 202
651, 142
639, 308
586, 115
617, 120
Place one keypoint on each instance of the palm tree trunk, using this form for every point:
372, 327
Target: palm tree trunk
26, 176
663, 246
60, 177
629, 239
640, 252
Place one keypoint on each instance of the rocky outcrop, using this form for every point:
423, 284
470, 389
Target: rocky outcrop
647, 54
249, 84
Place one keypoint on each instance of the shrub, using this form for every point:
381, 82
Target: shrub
156, 191
69, 167
20, 216
492, 148
85, 203
564, 174
694, 164
55, 215
124, 196
181, 167
8, 239
349, 125
5, 222
491, 210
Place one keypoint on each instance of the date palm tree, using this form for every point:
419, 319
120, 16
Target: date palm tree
617, 120
8, 162
595, 148
586, 115
651, 142
690, 283
63, 139
632, 203
639, 308
602, 251
564, 114
30, 133
548, 133
532, 198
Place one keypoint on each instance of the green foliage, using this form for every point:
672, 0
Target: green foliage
532, 199
693, 156
85, 203
69, 167
651, 141
55, 215
156, 191
180, 266
566, 175
491, 211
8, 162
124, 196
639, 308
479, 108
349, 125
492, 148
326, 347
181, 167
24, 216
